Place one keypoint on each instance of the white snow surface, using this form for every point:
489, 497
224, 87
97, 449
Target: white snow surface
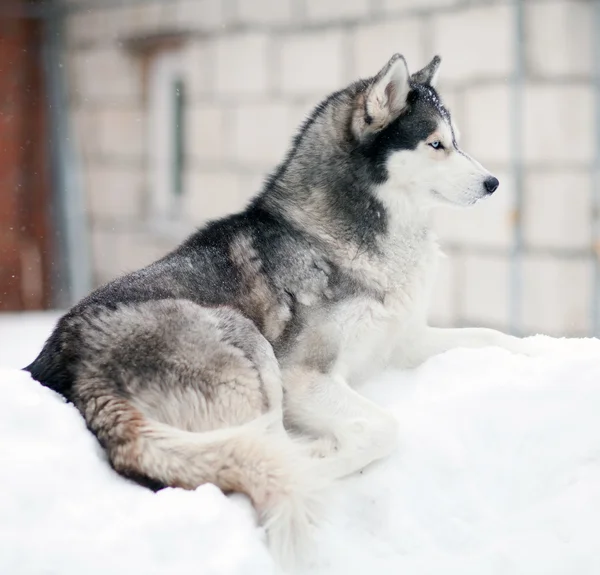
498, 473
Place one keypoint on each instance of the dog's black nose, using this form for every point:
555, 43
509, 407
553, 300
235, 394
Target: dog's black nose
491, 184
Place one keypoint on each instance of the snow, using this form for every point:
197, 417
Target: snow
498, 472
23, 335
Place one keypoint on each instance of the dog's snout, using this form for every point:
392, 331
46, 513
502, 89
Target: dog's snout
491, 184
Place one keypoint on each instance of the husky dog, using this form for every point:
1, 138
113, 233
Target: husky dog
202, 366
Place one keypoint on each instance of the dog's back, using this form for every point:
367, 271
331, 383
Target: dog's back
209, 269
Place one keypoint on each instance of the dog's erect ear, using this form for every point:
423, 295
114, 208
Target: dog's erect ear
428, 75
384, 99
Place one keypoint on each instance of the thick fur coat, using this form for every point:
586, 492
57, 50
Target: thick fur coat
233, 359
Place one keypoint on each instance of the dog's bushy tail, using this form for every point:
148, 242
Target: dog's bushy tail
257, 459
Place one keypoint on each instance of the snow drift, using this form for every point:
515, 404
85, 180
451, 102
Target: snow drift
498, 473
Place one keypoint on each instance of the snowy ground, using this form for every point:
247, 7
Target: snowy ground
498, 474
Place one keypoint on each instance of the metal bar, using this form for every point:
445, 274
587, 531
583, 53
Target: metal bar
516, 280
178, 136
595, 215
73, 278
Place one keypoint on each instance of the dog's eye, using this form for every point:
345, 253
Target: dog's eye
437, 145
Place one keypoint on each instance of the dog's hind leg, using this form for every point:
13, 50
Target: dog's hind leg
181, 395
328, 409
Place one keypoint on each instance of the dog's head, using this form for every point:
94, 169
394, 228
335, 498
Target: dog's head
376, 152
400, 123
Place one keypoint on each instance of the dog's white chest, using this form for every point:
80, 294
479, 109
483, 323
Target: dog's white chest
366, 330
369, 330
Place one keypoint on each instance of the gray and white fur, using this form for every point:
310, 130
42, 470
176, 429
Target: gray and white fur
234, 359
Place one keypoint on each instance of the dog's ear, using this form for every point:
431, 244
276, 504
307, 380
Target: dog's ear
428, 75
384, 99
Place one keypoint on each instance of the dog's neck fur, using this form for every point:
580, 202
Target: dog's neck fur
361, 222
376, 243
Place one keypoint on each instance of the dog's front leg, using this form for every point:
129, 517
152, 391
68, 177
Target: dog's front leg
428, 341
326, 408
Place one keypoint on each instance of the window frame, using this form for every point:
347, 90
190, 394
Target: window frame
166, 142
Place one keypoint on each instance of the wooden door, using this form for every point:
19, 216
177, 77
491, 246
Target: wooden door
25, 243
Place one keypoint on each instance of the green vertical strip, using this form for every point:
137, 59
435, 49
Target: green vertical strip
178, 137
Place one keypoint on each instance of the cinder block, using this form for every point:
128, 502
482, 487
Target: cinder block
443, 309
120, 132
558, 124
264, 11
136, 249
85, 27
334, 10
241, 64
399, 6
99, 278
198, 59
114, 193
137, 19
209, 196
487, 224
559, 37
558, 209
486, 290
475, 42
312, 63
104, 248
146, 17
453, 99
556, 295
205, 132
374, 45
261, 134
118, 22
199, 14
118, 251
251, 185
84, 129
486, 126
297, 116
106, 75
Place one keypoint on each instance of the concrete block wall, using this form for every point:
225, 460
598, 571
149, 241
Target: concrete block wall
254, 68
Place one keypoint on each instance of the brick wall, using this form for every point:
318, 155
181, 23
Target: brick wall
254, 69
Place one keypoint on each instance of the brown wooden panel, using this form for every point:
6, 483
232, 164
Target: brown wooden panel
25, 255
